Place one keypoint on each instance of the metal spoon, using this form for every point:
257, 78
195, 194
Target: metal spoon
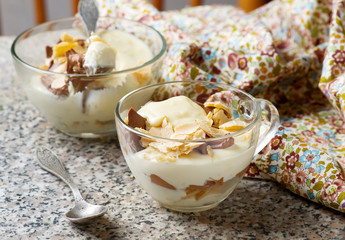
89, 14
82, 211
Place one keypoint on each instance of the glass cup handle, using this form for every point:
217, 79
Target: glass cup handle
269, 123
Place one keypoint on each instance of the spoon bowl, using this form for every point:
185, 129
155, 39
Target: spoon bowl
82, 211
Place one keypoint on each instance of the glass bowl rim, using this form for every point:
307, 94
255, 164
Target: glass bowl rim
257, 110
145, 64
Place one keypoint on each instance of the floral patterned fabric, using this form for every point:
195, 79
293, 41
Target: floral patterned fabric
291, 52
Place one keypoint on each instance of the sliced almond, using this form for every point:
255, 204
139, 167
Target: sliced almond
58, 82
186, 129
165, 131
219, 105
219, 117
211, 131
197, 192
210, 151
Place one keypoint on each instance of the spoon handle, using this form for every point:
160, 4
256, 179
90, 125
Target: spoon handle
89, 14
51, 163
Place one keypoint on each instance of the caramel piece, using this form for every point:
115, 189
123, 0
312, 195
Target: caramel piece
234, 128
60, 49
159, 181
135, 120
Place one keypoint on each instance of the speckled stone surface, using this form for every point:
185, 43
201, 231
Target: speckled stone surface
33, 202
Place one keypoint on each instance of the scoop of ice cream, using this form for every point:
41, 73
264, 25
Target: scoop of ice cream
99, 57
178, 110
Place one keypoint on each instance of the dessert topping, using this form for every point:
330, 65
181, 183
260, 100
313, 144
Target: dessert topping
180, 118
76, 56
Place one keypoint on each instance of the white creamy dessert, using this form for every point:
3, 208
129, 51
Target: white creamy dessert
225, 165
99, 55
86, 104
181, 175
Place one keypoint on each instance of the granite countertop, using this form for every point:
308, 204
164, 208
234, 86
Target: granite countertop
33, 202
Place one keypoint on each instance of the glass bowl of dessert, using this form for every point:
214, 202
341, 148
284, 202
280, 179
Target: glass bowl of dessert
188, 144
76, 80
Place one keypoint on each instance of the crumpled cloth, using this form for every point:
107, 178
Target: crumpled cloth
291, 52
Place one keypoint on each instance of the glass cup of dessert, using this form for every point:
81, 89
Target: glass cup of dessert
188, 144
76, 80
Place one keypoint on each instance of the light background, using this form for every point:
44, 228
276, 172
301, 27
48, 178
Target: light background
18, 15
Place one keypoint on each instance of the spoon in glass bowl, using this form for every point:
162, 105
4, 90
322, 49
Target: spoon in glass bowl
89, 14
82, 211
99, 57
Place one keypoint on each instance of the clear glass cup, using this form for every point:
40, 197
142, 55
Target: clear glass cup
88, 113
196, 181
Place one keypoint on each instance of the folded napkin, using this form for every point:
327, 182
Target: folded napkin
291, 52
